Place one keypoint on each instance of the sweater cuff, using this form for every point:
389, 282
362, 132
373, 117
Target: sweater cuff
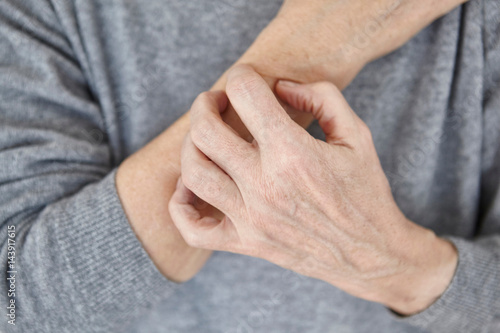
472, 299
107, 263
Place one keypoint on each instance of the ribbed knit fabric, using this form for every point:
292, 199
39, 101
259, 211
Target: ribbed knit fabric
473, 289
85, 83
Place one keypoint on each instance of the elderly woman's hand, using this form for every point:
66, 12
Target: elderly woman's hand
322, 209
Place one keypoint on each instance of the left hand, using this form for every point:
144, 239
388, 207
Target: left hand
322, 209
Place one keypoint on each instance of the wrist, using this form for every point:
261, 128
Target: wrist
273, 56
145, 181
431, 266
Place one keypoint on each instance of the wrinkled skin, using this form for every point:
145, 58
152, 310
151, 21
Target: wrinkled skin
322, 209
308, 41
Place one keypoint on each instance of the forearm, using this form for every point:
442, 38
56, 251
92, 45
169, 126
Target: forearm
407, 17
471, 301
146, 180
341, 36
152, 173
145, 184
76, 250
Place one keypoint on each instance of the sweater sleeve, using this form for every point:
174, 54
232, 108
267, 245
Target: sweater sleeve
471, 302
70, 261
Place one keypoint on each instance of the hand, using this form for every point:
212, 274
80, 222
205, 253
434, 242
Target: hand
332, 40
308, 41
322, 209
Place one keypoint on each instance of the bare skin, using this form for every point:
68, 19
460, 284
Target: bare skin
321, 209
146, 180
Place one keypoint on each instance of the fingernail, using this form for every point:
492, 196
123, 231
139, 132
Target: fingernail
287, 83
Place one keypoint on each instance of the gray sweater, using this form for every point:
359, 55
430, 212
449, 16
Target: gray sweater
85, 83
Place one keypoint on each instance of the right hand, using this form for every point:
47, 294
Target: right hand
303, 43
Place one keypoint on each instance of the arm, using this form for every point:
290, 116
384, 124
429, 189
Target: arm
325, 209
467, 297
58, 187
288, 48
471, 303
74, 264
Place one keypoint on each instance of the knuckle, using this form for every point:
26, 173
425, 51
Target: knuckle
203, 101
192, 177
202, 131
215, 189
292, 155
206, 185
243, 84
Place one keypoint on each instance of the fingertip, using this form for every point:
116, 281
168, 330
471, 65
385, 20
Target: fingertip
287, 84
291, 93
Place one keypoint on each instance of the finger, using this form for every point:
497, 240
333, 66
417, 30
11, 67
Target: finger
256, 104
326, 104
200, 231
214, 137
205, 179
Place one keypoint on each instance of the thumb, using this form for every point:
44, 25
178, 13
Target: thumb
326, 103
